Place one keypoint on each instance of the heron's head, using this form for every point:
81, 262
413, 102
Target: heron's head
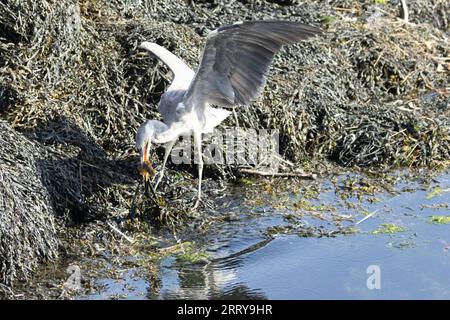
144, 138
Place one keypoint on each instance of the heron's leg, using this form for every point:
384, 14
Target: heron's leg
169, 147
198, 146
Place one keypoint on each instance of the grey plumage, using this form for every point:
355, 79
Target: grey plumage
236, 60
232, 72
168, 104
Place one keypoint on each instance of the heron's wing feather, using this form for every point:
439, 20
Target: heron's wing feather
236, 60
213, 117
182, 73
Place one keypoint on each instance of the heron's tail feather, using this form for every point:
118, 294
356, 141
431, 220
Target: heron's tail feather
213, 117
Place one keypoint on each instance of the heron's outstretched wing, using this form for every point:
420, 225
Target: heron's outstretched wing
182, 73
236, 60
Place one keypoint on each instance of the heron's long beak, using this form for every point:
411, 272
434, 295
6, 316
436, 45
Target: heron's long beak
147, 171
145, 153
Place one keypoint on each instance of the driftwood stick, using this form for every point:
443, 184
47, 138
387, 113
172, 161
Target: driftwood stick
120, 232
366, 217
302, 175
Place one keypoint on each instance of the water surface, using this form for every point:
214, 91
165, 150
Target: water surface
249, 260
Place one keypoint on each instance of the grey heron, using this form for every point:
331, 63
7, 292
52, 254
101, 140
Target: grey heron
232, 72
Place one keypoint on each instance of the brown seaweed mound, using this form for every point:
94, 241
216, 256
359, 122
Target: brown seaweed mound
27, 223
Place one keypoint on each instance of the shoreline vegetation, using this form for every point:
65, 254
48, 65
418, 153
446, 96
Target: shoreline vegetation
370, 94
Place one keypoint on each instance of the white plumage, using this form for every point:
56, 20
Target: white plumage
232, 72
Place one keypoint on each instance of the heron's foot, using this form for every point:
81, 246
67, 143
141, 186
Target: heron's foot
197, 204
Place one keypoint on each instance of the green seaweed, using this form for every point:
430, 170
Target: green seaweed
327, 19
439, 219
388, 228
302, 204
245, 181
435, 192
190, 254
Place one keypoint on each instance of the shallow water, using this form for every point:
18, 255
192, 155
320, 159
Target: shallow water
246, 261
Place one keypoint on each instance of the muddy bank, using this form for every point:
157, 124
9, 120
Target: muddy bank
371, 92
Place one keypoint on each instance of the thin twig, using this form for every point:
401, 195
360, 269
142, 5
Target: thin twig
302, 175
130, 240
366, 217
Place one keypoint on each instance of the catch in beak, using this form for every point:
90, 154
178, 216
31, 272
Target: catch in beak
146, 167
